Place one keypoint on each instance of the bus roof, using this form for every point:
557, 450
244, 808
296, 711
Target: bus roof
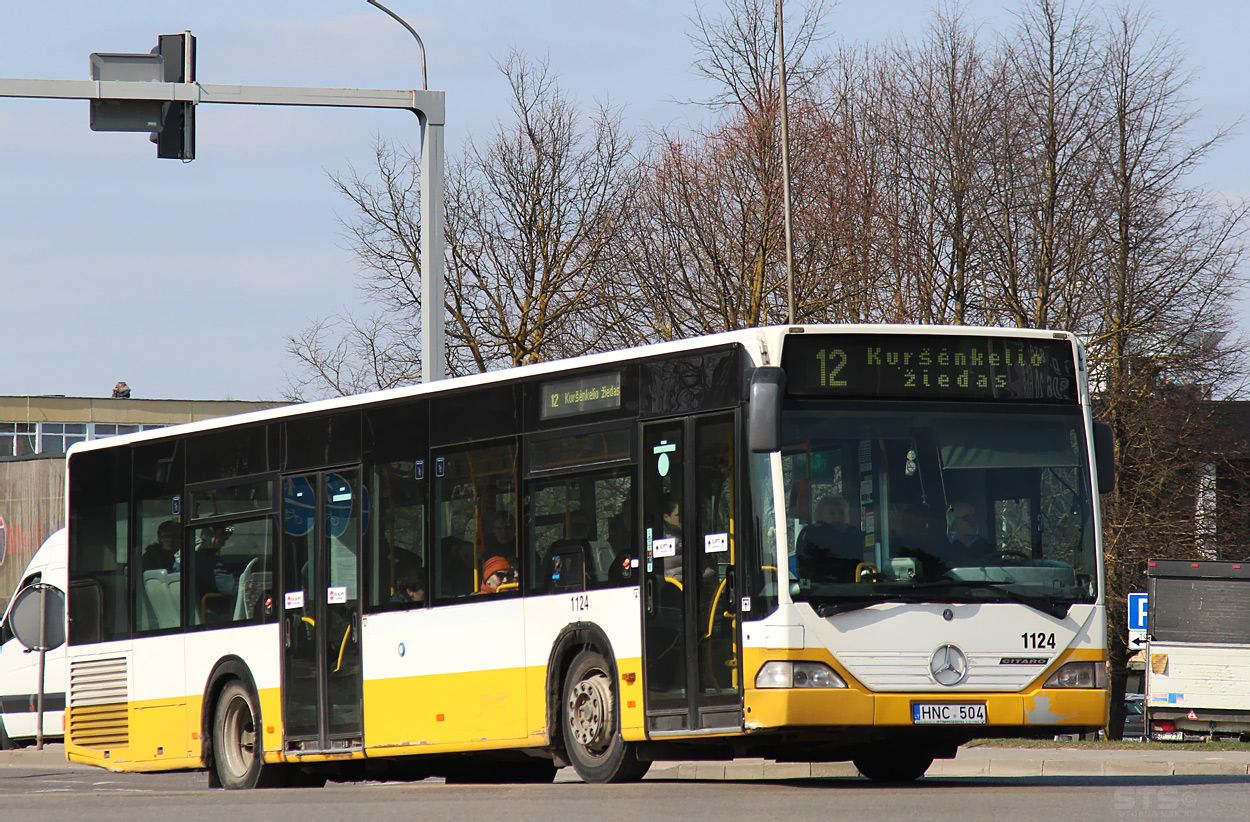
765, 340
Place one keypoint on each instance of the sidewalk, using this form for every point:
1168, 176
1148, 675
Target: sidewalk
52, 756
970, 762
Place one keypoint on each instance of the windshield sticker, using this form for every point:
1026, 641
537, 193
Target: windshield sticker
715, 543
294, 599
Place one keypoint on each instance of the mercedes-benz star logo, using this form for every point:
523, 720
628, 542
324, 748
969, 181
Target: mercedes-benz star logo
948, 665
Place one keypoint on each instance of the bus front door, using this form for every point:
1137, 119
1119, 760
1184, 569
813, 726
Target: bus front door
690, 624
321, 670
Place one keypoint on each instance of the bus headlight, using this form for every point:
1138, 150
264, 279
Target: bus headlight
779, 674
1079, 675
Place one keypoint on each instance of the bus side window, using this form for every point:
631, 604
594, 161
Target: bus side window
474, 515
396, 547
581, 532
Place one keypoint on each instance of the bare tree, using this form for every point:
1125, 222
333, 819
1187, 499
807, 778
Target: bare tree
344, 353
534, 229
1044, 208
534, 243
708, 235
1158, 312
737, 52
939, 122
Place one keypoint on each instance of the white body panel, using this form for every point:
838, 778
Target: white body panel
19, 667
481, 635
887, 647
1198, 676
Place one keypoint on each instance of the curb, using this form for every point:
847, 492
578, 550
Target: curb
52, 756
962, 767
944, 768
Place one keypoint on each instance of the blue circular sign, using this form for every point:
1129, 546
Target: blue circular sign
339, 495
299, 506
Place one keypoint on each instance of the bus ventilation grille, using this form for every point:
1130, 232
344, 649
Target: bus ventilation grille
99, 704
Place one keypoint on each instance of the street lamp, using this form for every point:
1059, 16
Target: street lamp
785, 166
424, 83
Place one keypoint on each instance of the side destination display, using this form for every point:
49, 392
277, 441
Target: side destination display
930, 366
581, 395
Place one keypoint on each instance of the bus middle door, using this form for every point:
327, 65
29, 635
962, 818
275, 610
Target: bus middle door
690, 624
321, 670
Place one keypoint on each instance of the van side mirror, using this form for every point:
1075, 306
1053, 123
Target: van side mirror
1104, 457
768, 389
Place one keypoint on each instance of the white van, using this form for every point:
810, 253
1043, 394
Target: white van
19, 667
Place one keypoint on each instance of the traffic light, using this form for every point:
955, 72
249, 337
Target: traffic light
175, 138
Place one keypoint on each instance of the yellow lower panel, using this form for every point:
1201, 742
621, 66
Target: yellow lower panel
470, 707
1040, 707
477, 710
780, 707
156, 740
856, 705
633, 712
271, 715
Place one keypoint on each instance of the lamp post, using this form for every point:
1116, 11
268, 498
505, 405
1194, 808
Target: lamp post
425, 85
785, 165
433, 217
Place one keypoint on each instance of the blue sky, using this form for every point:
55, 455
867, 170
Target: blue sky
185, 279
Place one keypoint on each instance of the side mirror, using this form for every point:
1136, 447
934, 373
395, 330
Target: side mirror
1104, 457
768, 389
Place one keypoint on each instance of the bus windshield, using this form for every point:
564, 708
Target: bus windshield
937, 502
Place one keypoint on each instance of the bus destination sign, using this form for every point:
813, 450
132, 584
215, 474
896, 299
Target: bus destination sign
582, 395
930, 366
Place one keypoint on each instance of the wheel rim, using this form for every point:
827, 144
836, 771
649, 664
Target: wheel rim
590, 712
238, 736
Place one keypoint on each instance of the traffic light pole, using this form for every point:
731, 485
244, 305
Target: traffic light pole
427, 105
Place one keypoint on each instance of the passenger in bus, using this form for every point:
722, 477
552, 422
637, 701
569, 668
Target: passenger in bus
211, 574
671, 509
455, 567
410, 589
501, 541
162, 555
965, 545
497, 571
829, 548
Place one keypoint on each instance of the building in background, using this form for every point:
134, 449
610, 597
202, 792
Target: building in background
35, 433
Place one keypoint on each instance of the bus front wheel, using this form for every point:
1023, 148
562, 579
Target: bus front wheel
592, 724
237, 750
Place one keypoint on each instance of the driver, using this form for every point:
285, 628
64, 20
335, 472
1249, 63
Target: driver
965, 545
829, 549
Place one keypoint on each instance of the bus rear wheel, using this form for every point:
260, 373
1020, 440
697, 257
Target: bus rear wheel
894, 767
592, 725
237, 750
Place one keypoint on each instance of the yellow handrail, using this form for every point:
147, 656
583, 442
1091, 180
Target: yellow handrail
343, 647
711, 616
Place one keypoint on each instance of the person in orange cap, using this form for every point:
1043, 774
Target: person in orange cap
496, 572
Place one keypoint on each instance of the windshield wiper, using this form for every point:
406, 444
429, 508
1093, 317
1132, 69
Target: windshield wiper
1058, 608
831, 608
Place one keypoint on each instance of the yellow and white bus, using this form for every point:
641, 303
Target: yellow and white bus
820, 543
